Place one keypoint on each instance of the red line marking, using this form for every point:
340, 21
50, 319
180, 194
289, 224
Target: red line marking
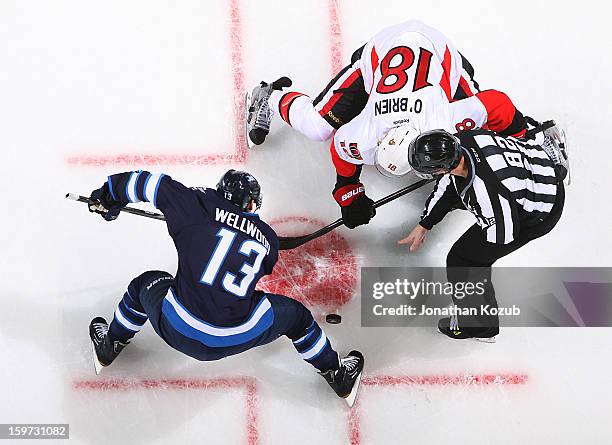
251, 408
249, 384
298, 271
482, 379
354, 415
153, 159
238, 74
239, 155
354, 425
118, 384
335, 34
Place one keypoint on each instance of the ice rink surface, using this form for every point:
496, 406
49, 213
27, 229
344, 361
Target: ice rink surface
90, 88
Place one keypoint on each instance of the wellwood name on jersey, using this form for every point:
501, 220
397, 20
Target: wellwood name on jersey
241, 223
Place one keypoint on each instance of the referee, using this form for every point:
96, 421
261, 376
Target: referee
514, 188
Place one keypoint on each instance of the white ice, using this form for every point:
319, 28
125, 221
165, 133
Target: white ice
106, 78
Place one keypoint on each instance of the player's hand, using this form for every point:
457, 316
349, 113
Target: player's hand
359, 212
357, 208
102, 202
416, 238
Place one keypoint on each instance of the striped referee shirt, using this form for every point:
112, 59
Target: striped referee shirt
510, 184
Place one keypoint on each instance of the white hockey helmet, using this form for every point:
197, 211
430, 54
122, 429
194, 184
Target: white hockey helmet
392, 153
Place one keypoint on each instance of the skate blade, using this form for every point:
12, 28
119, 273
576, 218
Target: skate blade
350, 399
566, 163
97, 365
484, 339
478, 339
247, 105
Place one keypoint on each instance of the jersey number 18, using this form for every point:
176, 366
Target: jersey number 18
398, 71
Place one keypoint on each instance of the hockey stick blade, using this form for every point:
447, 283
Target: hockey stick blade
291, 242
133, 211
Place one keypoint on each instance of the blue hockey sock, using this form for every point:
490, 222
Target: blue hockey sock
315, 348
128, 319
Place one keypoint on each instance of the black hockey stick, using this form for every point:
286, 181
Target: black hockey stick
286, 242
131, 210
291, 242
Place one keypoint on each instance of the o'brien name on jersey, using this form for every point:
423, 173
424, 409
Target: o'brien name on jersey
397, 105
239, 222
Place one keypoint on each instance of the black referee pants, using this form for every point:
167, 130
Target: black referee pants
471, 257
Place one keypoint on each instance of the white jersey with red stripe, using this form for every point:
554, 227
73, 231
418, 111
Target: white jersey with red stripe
445, 65
411, 72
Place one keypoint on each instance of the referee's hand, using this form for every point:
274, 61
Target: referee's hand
416, 238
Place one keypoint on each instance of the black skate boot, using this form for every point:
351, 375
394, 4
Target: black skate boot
345, 380
104, 351
259, 115
450, 328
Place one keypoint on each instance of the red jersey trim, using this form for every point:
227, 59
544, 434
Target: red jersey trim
343, 168
374, 61
500, 109
336, 96
465, 86
285, 104
445, 81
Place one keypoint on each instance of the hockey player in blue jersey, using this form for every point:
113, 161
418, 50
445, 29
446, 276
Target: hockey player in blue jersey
210, 309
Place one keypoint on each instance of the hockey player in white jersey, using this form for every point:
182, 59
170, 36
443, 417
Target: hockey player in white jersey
408, 53
407, 79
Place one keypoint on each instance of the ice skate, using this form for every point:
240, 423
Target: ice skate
258, 112
450, 328
345, 380
555, 146
104, 351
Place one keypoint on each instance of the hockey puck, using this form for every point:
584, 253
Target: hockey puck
333, 318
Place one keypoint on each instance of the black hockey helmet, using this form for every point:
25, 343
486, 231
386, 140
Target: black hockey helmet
433, 151
240, 188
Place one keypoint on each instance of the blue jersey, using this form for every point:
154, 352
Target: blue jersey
222, 254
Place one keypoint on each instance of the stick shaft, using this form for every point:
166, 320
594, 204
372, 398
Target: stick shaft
291, 242
288, 242
131, 210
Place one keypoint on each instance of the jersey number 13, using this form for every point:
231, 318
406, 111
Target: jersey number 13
230, 282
